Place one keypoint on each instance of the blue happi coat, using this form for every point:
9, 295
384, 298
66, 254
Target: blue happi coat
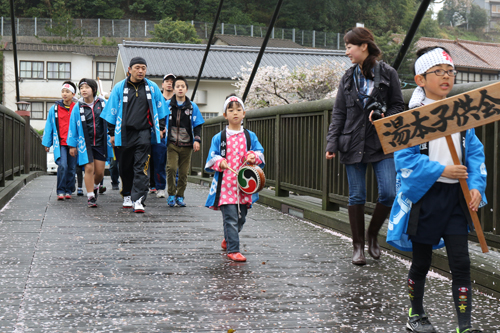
196, 117
415, 176
51, 132
214, 155
113, 112
76, 135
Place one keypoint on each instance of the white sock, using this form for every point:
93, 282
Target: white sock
90, 195
96, 186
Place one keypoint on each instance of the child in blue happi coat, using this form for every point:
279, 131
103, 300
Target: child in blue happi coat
430, 209
88, 137
55, 134
231, 149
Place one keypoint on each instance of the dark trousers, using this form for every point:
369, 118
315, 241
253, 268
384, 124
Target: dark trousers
79, 175
66, 166
152, 183
134, 164
114, 172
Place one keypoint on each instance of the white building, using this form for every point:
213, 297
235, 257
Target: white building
43, 68
221, 69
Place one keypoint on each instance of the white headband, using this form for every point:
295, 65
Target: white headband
233, 99
428, 60
69, 87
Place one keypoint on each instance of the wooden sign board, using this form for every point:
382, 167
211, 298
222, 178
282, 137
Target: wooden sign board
455, 114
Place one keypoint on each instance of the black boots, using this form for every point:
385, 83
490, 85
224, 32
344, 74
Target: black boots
378, 218
357, 222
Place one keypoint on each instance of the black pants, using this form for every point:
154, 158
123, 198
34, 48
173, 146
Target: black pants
79, 175
134, 164
152, 182
457, 249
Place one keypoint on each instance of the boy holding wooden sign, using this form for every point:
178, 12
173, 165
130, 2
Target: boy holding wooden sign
430, 206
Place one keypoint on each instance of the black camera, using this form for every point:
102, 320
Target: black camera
378, 109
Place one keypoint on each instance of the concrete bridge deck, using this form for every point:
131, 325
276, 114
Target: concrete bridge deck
67, 268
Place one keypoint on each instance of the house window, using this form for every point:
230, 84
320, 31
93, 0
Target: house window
31, 69
208, 115
59, 70
105, 70
495, 9
37, 110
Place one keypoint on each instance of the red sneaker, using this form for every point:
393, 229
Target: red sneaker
236, 257
224, 245
60, 197
67, 196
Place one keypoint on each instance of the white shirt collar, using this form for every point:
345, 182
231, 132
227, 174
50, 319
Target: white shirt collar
232, 132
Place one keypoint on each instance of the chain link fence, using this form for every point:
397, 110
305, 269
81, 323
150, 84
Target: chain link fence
43, 27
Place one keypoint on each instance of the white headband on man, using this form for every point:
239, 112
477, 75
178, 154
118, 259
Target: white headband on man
233, 99
437, 56
69, 87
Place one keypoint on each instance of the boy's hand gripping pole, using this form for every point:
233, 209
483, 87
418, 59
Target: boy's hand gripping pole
468, 199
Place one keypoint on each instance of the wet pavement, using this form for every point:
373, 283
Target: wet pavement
68, 268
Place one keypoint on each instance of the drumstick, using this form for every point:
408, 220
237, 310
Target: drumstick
236, 173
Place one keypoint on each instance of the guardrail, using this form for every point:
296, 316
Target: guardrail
74, 28
294, 141
12, 147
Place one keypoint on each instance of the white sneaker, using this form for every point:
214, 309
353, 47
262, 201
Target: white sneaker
138, 206
127, 202
160, 194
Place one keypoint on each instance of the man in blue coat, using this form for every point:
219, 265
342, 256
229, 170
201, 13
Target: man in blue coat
135, 113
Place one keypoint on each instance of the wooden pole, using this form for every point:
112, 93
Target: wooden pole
468, 199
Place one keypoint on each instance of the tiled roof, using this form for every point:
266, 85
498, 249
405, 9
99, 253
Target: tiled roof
466, 53
256, 41
223, 62
90, 50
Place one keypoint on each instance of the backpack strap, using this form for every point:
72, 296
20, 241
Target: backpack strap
223, 146
56, 118
249, 141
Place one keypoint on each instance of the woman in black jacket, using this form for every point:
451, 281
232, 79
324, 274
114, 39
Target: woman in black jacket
352, 134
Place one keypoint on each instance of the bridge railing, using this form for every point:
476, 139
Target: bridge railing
294, 141
12, 147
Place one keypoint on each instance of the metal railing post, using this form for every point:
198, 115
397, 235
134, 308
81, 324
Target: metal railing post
325, 196
128, 28
314, 39
98, 27
293, 35
4, 148
277, 157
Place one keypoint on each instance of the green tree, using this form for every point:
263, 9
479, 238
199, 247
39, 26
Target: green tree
169, 31
478, 17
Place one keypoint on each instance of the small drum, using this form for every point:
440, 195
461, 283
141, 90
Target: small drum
251, 179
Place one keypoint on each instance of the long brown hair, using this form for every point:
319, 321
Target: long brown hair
358, 36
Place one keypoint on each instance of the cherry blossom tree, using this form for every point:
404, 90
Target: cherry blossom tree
281, 85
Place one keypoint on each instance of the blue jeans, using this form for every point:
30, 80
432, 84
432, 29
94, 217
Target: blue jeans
385, 172
233, 225
160, 161
66, 169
